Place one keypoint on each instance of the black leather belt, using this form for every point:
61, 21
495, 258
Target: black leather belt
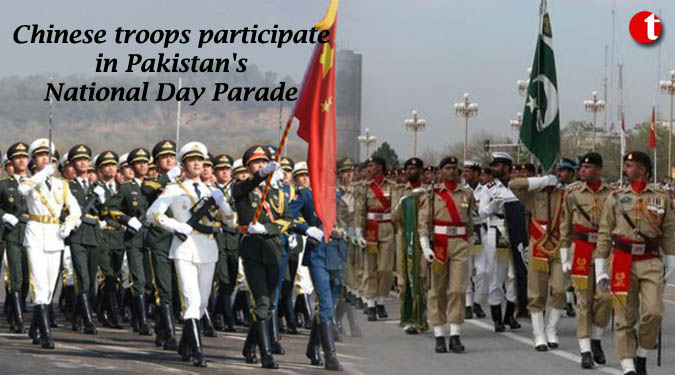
645, 248
591, 237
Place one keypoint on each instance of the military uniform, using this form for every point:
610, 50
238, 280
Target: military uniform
446, 213
261, 250
637, 226
373, 218
545, 280
14, 214
581, 216
46, 198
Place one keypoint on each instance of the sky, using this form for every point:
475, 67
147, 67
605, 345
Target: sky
417, 54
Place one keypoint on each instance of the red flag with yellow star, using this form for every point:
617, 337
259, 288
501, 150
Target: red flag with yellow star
315, 109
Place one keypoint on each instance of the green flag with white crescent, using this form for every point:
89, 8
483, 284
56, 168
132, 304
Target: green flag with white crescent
540, 130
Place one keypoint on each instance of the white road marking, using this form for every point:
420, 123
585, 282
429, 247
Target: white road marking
560, 353
166, 368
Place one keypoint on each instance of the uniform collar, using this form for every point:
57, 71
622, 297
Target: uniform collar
603, 186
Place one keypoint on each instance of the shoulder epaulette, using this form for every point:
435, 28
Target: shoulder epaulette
153, 184
125, 183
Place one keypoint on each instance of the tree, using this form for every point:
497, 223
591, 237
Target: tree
388, 154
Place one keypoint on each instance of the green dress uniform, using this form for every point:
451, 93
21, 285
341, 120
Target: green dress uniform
130, 205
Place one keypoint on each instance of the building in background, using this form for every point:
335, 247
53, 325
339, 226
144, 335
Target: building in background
348, 102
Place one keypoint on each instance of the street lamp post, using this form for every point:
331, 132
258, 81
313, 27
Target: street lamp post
515, 125
523, 84
466, 109
415, 124
594, 105
668, 87
367, 140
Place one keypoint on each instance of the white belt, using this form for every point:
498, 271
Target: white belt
497, 222
378, 216
450, 230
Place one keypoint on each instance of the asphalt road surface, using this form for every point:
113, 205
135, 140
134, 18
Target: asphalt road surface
385, 349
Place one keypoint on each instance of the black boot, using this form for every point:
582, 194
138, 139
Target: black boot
111, 304
569, 309
217, 316
358, 303
468, 312
328, 345
248, 306
307, 312
43, 323
372, 314
34, 331
441, 346
587, 360
455, 344
289, 314
209, 329
478, 311
194, 339
249, 347
313, 346
140, 316
598, 353
381, 312
184, 348
168, 328
274, 335
17, 314
641, 366
496, 312
76, 315
265, 343
228, 316
52, 316
85, 310
509, 317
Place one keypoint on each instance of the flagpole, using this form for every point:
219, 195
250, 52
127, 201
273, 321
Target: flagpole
655, 164
180, 82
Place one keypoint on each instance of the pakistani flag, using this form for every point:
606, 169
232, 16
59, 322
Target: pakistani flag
540, 131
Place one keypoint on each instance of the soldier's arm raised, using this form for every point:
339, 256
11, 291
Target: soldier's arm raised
240, 189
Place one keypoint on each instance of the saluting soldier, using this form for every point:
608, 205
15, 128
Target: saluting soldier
637, 237
46, 197
581, 217
543, 199
128, 207
374, 225
260, 248
196, 253
14, 214
447, 215
85, 239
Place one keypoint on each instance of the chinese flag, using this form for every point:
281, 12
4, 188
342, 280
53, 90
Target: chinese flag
652, 131
315, 109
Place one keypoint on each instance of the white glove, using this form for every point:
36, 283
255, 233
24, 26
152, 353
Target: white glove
419, 190
42, 176
134, 224
100, 192
182, 228
601, 276
277, 177
360, 241
219, 197
537, 183
426, 249
315, 233
292, 241
173, 173
495, 206
66, 229
77, 224
256, 228
10, 219
102, 224
565, 259
271, 167
669, 263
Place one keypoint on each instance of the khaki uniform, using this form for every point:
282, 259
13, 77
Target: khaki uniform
374, 218
445, 301
545, 277
346, 211
581, 216
651, 211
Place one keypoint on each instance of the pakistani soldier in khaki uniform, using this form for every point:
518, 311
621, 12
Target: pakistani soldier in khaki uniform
374, 225
543, 199
637, 239
446, 214
579, 233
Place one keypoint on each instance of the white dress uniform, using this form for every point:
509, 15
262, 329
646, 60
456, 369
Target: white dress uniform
500, 265
45, 199
477, 286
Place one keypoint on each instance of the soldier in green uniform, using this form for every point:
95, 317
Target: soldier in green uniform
261, 247
13, 212
84, 240
128, 207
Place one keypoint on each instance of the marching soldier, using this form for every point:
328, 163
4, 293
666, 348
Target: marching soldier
545, 283
447, 215
410, 268
260, 248
477, 283
193, 247
581, 214
46, 196
128, 207
285, 303
14, 214
85, 239
566, 173
637, 226
373, 219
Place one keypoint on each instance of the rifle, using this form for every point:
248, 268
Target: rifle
200, 210
89, 206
